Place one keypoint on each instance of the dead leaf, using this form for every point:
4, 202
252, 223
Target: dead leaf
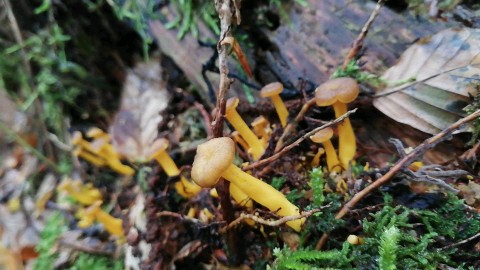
470, 193
445, 67
144, 98
10, 260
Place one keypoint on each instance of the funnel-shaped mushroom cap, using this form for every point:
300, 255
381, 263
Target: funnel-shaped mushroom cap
232, 104
344, 90
271, 89
212, 159
322, 135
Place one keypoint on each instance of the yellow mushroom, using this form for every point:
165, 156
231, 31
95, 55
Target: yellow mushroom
96, 133
84, 194
240, 197
95, 160
323, 136
111, 224
338, 93
101, 143
87, 215
92, 213
184, 187
163, 158
355, 240
238, 139
256, 148
261, 128
214, 160
77, 140
273, 90
316, 159
119, 167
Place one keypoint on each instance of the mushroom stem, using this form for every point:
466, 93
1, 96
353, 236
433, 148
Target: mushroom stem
111, 224
119, 167
167, 163
256, 147
280, 108
85, 194
97, 161
331, 155
186, 188
263, 194
240, 197
316, 159
346, 137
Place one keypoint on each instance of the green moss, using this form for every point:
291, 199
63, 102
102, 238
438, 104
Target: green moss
54, 227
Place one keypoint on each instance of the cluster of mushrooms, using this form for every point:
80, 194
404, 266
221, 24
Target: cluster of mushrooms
91, 199
214, 158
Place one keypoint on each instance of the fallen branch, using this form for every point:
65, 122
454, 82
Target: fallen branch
461, 242
228, 12
297, 142
401, 164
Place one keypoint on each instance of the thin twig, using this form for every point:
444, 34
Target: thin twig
271, 223
297, 142
401, 164
28, 68
293, 124
206, 118
461, 242
18, 139
358, 43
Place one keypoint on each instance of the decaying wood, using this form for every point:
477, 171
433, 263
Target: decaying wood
310, 46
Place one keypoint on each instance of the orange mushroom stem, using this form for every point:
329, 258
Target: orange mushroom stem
214, 160
338, 93
323, 136
316, 159
273, 91
238, 139
111, 224
256, 148
95, 160
163, 158
184, 187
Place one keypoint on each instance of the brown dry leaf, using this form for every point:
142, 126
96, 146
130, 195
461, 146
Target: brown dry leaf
144, 98
10, 260
446, 68
470, 193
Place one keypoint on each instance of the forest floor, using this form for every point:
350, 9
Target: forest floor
104, 103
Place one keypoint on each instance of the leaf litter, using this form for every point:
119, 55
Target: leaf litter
445, 69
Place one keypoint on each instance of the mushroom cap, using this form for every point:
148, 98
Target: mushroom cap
157, 146
260, 121
271, 89
343, 89
95, 132
212, 159
232, 104
322, 135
